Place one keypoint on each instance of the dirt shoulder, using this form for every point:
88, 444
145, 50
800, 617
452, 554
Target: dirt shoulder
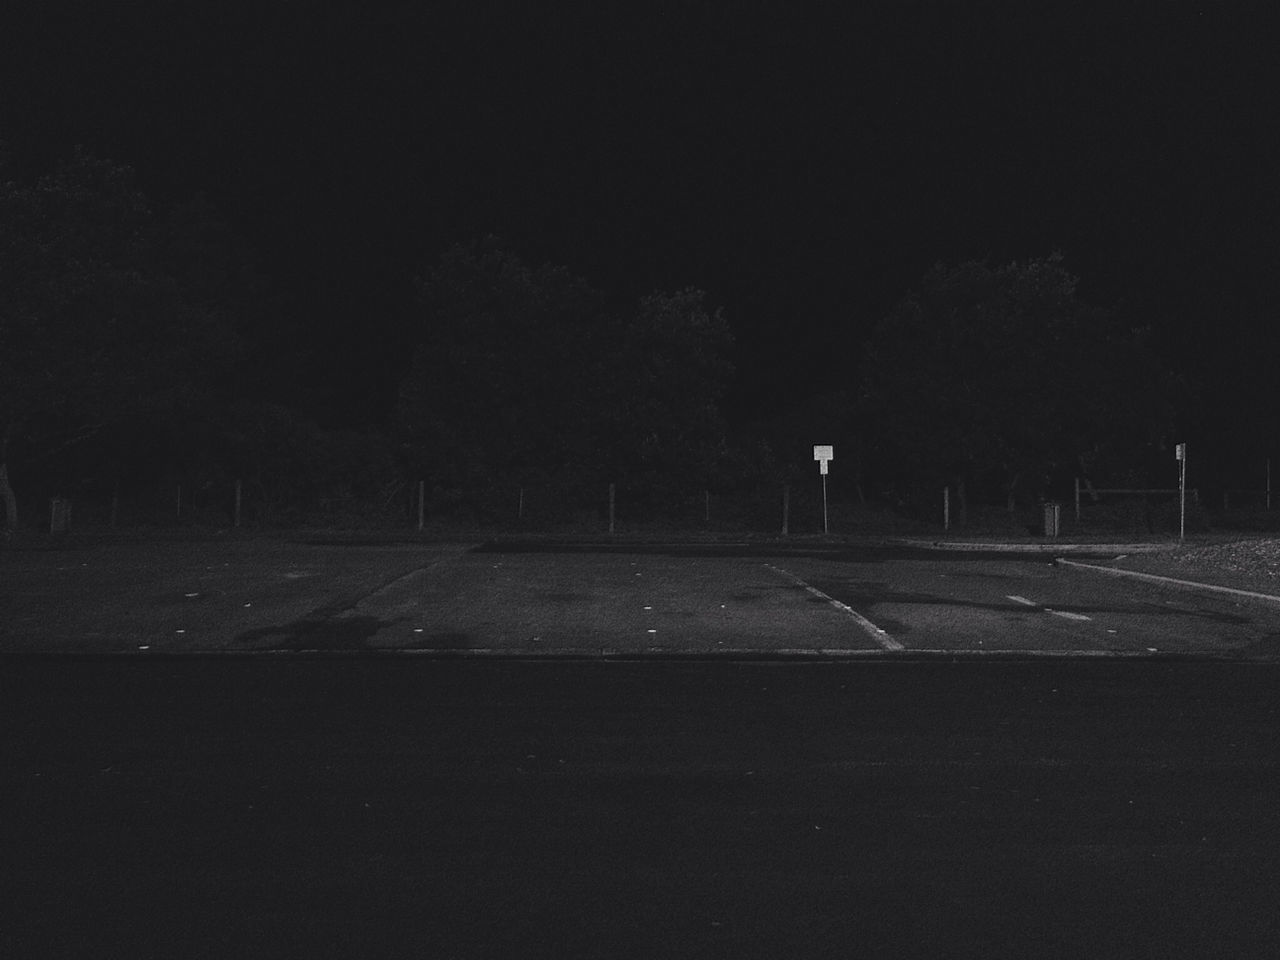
1247, 563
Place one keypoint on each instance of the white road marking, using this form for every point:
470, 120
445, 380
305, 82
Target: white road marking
1153, 578
1065, 614
880, 636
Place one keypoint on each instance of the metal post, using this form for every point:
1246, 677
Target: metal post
1268, 483
786, 508
612, 500
520, 508
1077, 499
422, 507
824, 504
946, 508
1182, 494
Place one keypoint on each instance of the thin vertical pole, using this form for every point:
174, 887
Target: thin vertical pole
708, 494
422, 496
238, 489
1268, 483
1077, 499
179, 513
520, 508
946, 508
824, 504
612, 501
115, 503
1182, 495
786, 508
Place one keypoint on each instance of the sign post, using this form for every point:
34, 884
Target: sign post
824, 455
1181, 453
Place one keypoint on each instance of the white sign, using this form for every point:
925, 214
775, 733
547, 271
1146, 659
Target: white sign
824, 453
1180, 451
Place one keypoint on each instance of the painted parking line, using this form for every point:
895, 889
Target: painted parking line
1065, 614
877, 634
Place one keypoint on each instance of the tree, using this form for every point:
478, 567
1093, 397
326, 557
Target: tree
525, 374
505, 372
665, 395
94, 335
1002, 377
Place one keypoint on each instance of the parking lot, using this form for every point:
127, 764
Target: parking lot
705, 752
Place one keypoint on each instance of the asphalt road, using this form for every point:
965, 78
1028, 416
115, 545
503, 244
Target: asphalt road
1049, 763
633, 599
876, 599
364, 806
1021, 604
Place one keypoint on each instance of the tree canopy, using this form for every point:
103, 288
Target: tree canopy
1002, 377
524, 373
95, 332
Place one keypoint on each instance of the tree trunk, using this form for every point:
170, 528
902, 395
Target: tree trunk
6, 491
10, 501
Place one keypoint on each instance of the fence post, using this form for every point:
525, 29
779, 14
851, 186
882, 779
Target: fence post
238, 491
612, 497
786, 508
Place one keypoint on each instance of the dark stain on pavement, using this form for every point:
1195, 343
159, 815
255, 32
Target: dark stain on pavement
339, 633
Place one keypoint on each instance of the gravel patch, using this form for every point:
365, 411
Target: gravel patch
1247, 564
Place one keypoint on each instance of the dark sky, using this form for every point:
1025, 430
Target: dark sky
803, 167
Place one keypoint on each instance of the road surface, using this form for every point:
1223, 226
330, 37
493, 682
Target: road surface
350, 805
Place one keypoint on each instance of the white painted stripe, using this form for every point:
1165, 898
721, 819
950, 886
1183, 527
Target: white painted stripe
1154, 578
1067, 614
1057, 613
880, 636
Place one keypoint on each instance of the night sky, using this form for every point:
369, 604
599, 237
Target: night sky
803, 167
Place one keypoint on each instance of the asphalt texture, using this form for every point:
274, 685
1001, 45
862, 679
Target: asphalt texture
358, 805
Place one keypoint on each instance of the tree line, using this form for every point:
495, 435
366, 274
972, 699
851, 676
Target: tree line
135, 336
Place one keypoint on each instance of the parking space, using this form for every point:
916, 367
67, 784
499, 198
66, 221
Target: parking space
1017, 605
593, 603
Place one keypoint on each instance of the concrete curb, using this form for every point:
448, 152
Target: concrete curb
1169, 581
1054, 548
